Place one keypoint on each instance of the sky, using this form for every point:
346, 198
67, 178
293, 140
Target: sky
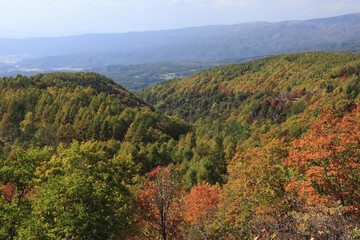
50, 18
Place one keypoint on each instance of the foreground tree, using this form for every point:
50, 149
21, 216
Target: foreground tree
84, 196
255, 191
18, 180
202, 207
325, 177
326, 162
159, 205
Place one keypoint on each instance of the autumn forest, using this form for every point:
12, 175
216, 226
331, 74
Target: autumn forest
267, 149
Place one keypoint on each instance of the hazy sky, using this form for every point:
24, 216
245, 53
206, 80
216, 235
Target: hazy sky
29, 18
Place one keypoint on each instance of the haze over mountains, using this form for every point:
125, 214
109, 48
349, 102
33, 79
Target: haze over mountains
196, 44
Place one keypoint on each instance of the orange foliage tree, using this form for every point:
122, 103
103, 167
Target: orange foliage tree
201, 210
256, 188
158, 205
326, 162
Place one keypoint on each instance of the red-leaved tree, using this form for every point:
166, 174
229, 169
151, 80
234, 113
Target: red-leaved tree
202, 208
159, 205
327, 161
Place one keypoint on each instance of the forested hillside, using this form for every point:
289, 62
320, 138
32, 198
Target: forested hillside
267, 149
51, 108
286, 89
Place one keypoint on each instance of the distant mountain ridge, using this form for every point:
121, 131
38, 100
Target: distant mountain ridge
196, 44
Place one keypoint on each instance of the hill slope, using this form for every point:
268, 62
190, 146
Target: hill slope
285, 88
223, 91
46, 109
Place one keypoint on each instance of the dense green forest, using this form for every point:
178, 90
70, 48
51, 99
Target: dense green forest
266, 149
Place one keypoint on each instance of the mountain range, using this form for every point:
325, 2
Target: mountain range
195, 44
